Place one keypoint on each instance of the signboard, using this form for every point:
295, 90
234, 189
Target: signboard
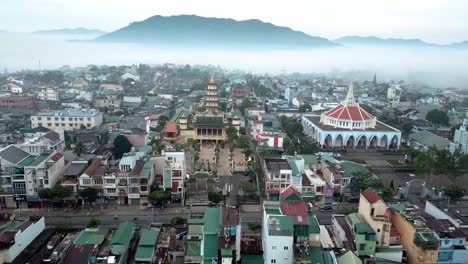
134, 196
328, 192
19, 198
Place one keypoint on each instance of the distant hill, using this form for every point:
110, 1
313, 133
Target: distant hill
71, 31
190, 30
376, 41
463, 44
71, 34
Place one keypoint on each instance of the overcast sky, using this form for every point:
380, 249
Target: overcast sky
439, 21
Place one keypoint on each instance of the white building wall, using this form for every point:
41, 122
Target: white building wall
23, 239
274, 246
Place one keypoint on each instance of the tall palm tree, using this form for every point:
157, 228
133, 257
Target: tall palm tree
80, 148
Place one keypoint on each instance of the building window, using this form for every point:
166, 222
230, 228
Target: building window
286, 248
110, 181
432, 256
98, 181
372, 211
378, 230
110, 190
362, 246
86, 181
273, 260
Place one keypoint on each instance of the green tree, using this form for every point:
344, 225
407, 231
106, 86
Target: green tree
246, 103
243, 142
387, 193
406, 129
392, 185
159, 196
454, 192
89, 194
363, 180
93, 222
80, 148
59, 192
248, 187
46, 194
215, 197
437, 117
178, 220
121, 146
305, 108
223, 106
231, 133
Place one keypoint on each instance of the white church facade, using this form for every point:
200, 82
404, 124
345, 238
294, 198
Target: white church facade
349, 126
460, 138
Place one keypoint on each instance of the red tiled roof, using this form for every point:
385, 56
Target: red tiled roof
294, 208
56, 157
288, 191
171, 127
349, 112
370, 196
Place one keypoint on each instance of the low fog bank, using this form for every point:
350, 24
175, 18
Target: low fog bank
437, 67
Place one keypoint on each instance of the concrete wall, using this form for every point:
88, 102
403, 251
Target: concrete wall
380, 226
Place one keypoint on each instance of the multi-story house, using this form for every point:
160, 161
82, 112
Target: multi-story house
288, 229
333, 177
174, 171
217, 238
452, 240
48, 93
107, 101
460, 138
15, 100
95, 176
417, 238
43, 173
313, 187
374, 210
364, 235
23, 175
278, 176
68, 119
48, 142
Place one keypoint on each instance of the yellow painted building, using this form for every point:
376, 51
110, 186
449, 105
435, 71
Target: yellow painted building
417, 238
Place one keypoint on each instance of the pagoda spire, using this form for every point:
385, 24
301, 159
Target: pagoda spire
350, 96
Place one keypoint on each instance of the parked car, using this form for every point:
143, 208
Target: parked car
326, 208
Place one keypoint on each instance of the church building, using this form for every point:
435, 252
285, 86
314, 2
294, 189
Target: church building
349, 126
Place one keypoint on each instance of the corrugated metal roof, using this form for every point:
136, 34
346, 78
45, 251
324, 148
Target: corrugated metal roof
13, 154
211, 221
122, 237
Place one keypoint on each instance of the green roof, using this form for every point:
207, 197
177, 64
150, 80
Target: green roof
146, 170
193, 248
89, 238
210, 247
352, 167
314, 226
363, 228
425, 237
252, 259
122, 237
111, 119
195, 221
179, 114
316, 256
349, 258
195, 229
146, 245
26, 161
38, 160
209, 122
211, 221
310, 159
293, 165
167, 177
226, 252
145, 149
271, 211
286, 222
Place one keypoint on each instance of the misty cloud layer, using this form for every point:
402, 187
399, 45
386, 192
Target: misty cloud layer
437, 67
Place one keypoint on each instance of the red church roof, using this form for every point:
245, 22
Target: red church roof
349, 109
349, 112
370, 196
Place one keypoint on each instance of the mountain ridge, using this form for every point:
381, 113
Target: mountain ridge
193, 30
